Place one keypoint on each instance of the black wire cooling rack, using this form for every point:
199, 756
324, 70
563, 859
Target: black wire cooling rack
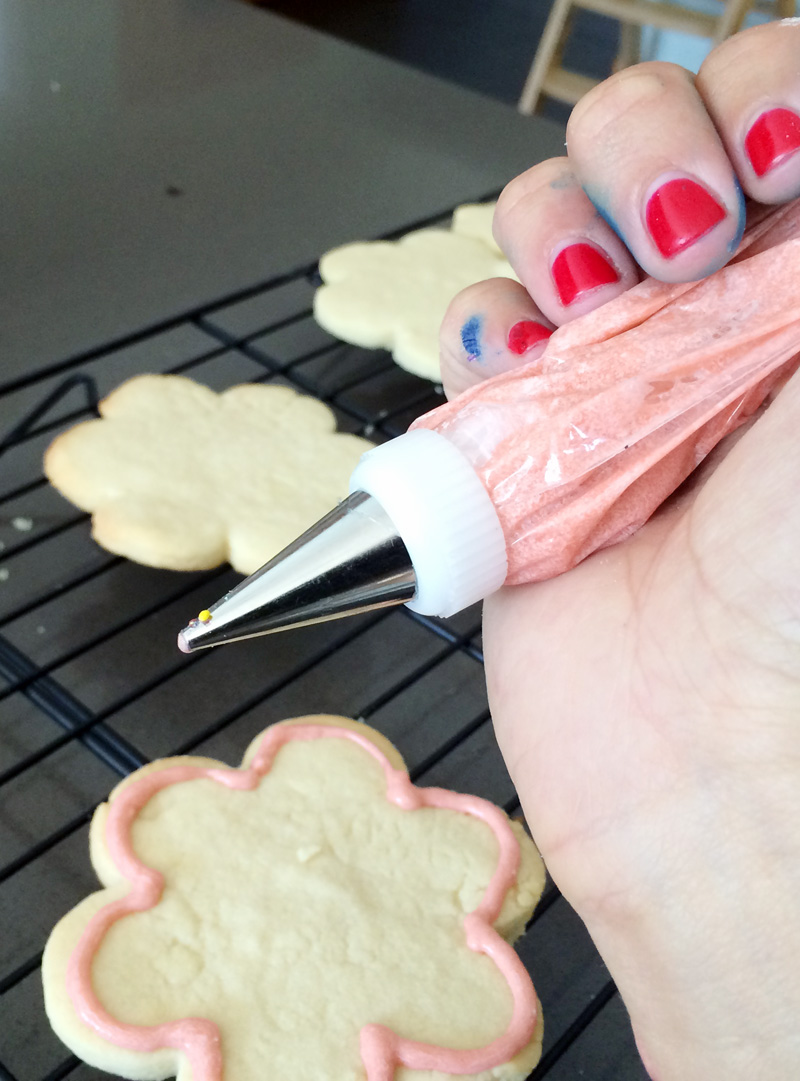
92, 686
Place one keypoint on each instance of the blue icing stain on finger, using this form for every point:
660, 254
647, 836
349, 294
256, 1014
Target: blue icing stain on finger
742, 211
600, 205
471, 337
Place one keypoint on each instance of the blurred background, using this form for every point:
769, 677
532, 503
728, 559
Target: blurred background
490, 46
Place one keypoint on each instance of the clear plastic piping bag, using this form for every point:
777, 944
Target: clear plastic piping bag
579, 448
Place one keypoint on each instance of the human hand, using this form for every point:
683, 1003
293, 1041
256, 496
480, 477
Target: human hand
647, 702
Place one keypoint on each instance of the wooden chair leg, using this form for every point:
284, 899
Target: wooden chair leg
630, 46
731, 19
548, 47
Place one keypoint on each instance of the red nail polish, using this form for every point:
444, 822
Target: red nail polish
679, 213
579, 268
525, 334
771, 139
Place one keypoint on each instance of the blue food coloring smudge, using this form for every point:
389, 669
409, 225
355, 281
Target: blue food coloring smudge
594, 198
470, 337
734, 244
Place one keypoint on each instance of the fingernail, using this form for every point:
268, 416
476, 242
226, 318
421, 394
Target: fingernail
525, 334
773, 137
578, 269
679, 213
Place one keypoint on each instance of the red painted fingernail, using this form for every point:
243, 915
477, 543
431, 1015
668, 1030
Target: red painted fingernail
525, 334
579, 268
679, 213
772, 138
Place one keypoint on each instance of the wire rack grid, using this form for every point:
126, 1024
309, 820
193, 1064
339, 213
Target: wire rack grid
91, 686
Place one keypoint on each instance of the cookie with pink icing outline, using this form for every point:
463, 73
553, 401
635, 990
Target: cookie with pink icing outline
309, 915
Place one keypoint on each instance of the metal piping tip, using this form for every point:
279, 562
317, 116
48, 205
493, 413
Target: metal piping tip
351, 561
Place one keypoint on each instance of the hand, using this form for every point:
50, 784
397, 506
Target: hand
648, 702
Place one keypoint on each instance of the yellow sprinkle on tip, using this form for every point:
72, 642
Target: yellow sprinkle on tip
204, 616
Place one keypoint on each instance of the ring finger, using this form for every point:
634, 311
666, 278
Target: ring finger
565, 255
648, 155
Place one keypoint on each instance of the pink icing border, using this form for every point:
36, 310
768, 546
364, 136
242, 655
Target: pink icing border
381, 1048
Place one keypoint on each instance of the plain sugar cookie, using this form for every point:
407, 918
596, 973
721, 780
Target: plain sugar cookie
475, 220
310, 916
394, 294
178, 476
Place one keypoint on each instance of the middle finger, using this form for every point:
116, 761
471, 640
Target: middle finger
649, 157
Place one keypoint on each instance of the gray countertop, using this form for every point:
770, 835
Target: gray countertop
158, 154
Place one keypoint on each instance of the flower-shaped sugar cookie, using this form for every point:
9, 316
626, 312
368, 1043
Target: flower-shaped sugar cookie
311, 915
475, 220
394, 294
180, 477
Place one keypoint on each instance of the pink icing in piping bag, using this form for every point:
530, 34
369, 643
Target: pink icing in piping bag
382, 1050
577, 450
526, 474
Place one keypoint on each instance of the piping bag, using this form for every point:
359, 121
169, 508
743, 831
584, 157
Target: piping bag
526, 474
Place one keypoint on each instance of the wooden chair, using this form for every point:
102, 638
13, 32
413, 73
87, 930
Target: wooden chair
548, 77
